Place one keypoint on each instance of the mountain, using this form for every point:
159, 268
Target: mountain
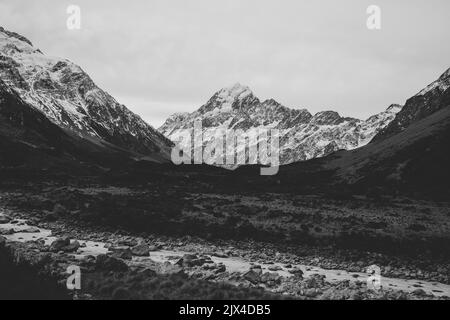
69, 99
303, 136
434, 97
28, 139
411, 155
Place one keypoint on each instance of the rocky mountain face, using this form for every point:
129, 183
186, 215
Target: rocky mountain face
411, 155
68, 97
434, 97
303, 136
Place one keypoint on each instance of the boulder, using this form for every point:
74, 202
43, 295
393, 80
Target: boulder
141, 250
257, 269
59, 244
107, 263
122, 252
220, 268
4, 219
128, 242
192, 260
31, 230
6, 232
297, 272
168, 268
275, 268
252, 276
220, 255
64, 245
271, 278
315, 281
72, 247
153, 248
312, 293
419, 292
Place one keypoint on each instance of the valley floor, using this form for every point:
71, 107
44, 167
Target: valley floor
211, 246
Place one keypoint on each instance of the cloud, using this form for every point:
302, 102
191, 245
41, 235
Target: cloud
167, 56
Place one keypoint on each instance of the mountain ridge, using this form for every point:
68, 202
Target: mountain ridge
303, 135
69, 98
432, 98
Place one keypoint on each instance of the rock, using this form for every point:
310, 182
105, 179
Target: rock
168, 268
275, 268
252, 276
107, 263
59, 244
141, 250
271, 278
220, 268
63, 245
6, 232
210, 277
315, 281
2, 241
153, 248
257, 269
192, 260
87, 260
128, 242
72, 247
296, 272
31, 230
220, 255
419, 292
160, 245
122, 252
311, 293
4, 219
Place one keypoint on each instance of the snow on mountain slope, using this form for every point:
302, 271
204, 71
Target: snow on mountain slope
302, 135
67, 96
434, 97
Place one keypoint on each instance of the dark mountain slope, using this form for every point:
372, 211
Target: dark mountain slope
29, 139
69, 98
434, 97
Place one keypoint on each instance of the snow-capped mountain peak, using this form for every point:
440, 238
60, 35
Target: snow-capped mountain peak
429, 100
442, 84
234, 92
394, 108
302, 135
228, 99
68, 97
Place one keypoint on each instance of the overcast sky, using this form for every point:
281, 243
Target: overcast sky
161, 57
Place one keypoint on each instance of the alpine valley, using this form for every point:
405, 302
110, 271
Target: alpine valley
86, 182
